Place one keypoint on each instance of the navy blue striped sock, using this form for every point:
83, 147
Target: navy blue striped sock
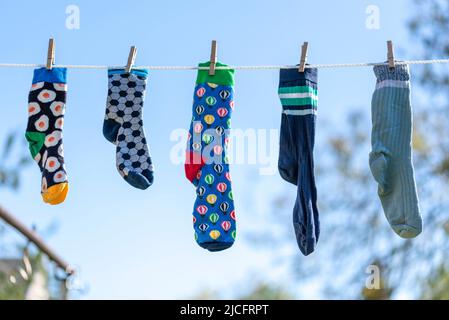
298, 94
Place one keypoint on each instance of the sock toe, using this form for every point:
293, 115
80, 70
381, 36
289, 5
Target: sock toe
56, 194
149, 175
215, 246
406, 231
61, 198
306, 243
138, 180
307, 248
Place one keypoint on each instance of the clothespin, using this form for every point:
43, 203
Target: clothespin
390, 54
302, 62
131, 59
213, 58
51, 54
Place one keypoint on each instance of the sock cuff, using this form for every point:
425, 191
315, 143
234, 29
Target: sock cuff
292, 77
55, 75
400, 73
298, 91
221, 77
138, 72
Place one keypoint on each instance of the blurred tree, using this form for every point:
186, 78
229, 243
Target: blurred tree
437, 285
17, 276
9, 288
260, 291
18, 279
382, 292
14, 157
264, 291
354, 229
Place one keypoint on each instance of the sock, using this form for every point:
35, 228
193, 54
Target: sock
46, 107
391, 156
123, 126
207, 164
298, 95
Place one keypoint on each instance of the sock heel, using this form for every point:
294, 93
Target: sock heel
110, 130
379, 168
193, 164
289, 174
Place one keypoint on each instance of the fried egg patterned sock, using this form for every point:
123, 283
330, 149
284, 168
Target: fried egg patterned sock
298, 95
391, 156
123, 126
207, 164
46, 107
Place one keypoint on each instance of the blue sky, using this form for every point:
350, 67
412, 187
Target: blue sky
139, 244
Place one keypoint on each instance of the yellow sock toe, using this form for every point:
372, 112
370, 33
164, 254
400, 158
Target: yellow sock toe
56, 194
61, 198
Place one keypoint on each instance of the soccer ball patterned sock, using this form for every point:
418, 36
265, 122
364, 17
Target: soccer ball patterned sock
123, 126
46, 107
207, 164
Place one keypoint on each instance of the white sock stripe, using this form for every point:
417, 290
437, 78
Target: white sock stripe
298, 95
393, 83
299, 112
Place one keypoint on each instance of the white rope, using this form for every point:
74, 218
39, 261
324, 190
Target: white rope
266, 67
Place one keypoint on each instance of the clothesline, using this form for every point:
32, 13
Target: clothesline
261, 67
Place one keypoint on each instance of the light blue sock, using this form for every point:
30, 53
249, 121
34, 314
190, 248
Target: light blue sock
391, 156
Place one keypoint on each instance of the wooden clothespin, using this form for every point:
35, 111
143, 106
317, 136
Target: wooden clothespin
213, 58
302, 62
390, 54
131, 59
51, 54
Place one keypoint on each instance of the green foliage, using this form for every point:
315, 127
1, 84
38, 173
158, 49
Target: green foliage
260, 291
14, 157
430, 26
383, 292
17, 290
10, 291
264, 291
437, 285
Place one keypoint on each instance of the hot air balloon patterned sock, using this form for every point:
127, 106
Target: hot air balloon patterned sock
298, 95
391, 156
46, 107
123, 126
207, 164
